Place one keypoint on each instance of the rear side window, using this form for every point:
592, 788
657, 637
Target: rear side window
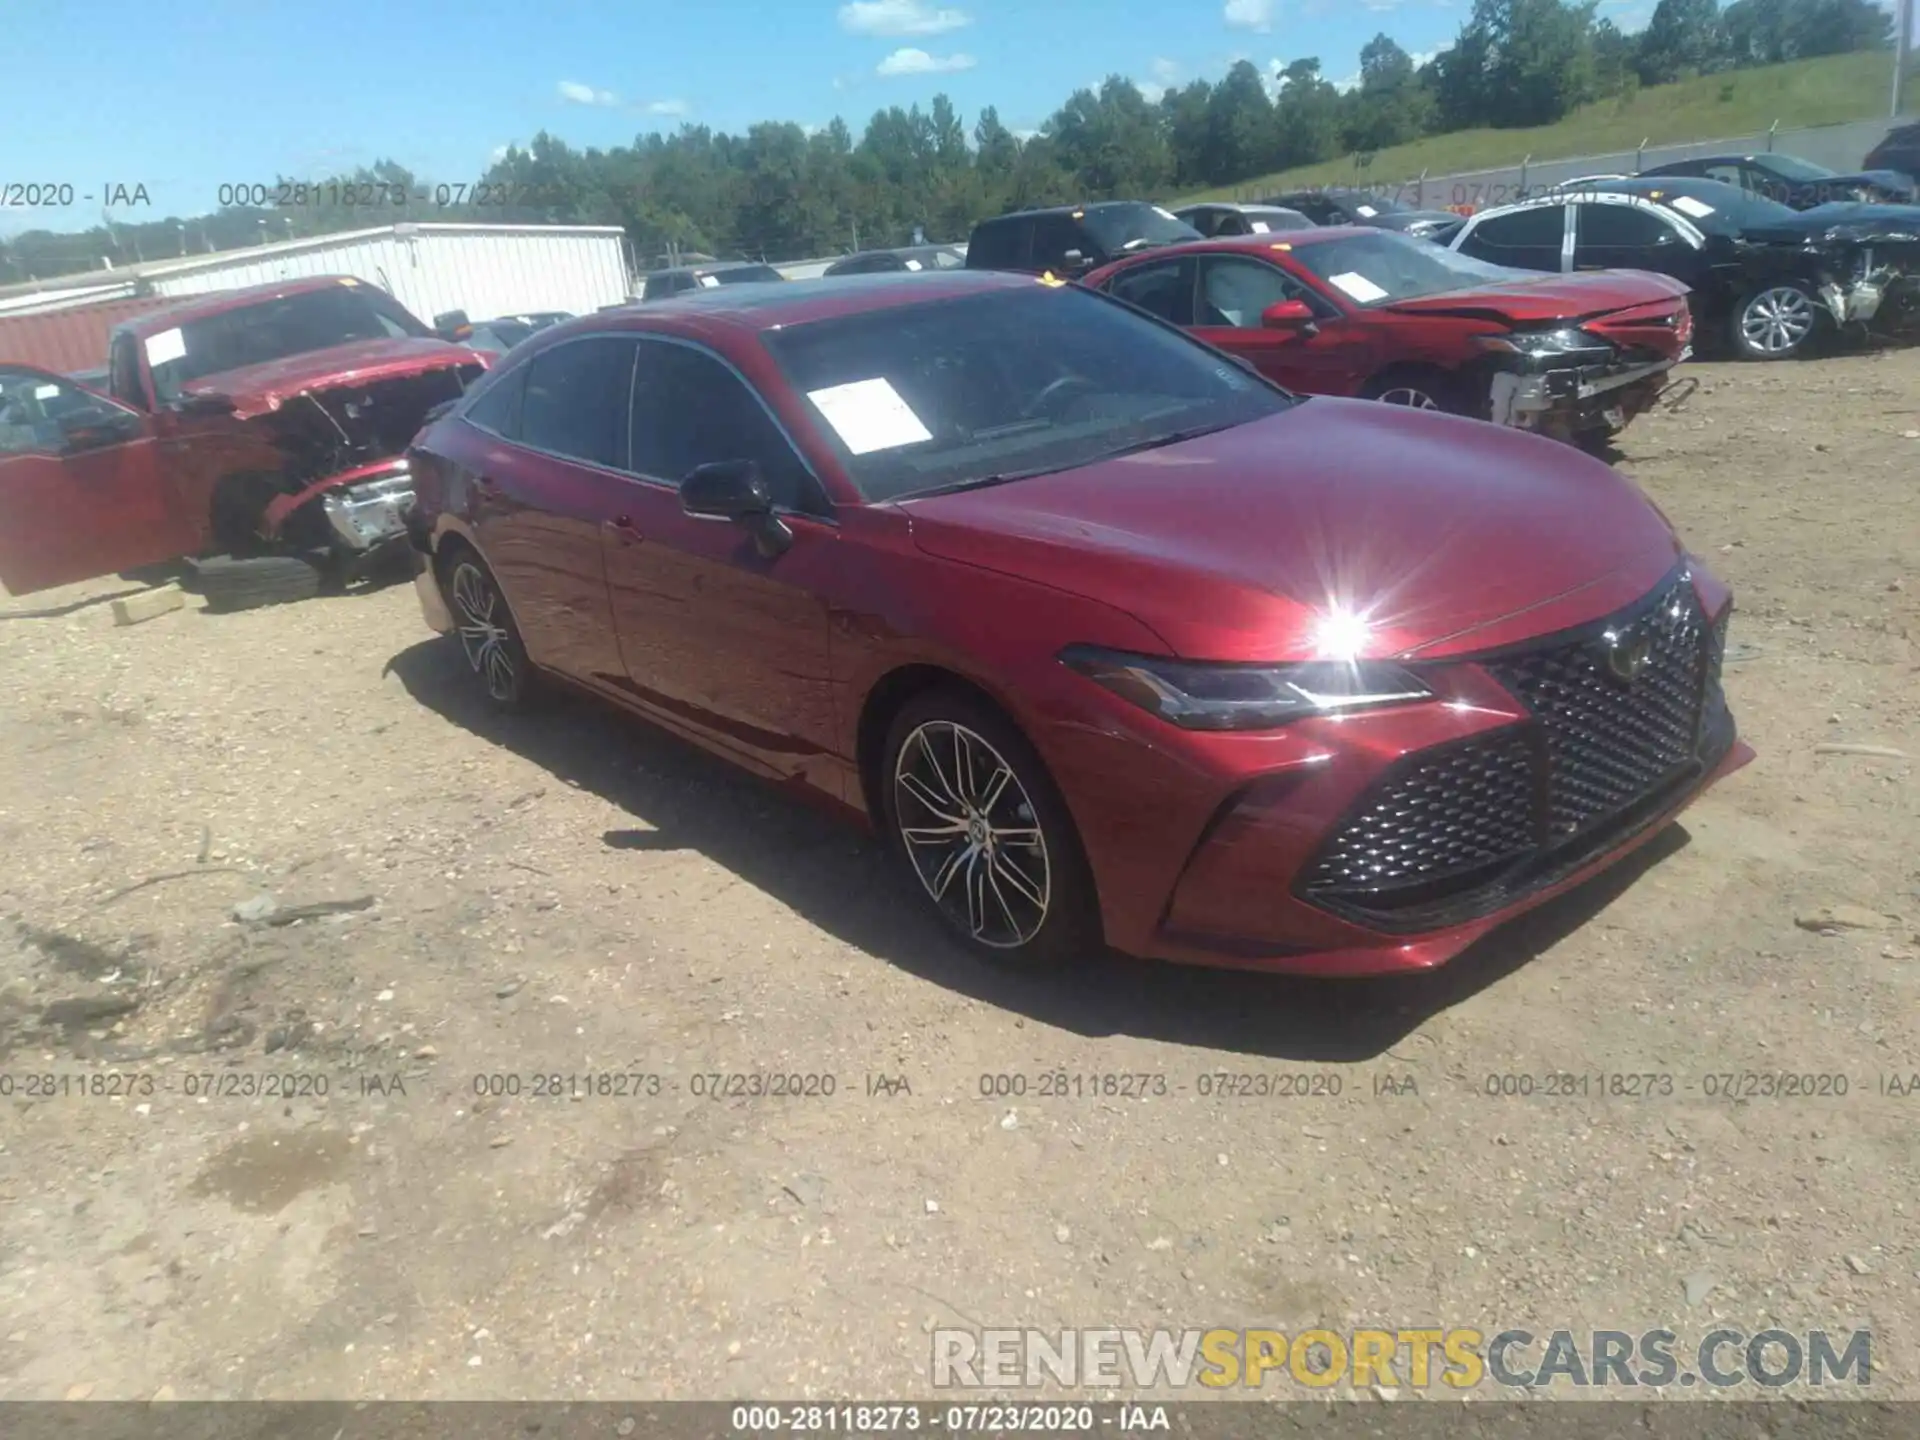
690, 410
576, 400
498, 409
1164, 289
999, 245
1053, 237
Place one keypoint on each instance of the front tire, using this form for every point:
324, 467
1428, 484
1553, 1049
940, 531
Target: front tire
1419, 390
1775, 322
488, 636
977, 823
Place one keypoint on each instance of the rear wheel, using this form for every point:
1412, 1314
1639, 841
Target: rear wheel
975, 819
488, 636
1776, 322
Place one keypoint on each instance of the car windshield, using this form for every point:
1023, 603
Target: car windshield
504, 333
1135, 226
742, 274
1380, 267
983, 388
1363, 201
1710, 205
1789, 168
274, 330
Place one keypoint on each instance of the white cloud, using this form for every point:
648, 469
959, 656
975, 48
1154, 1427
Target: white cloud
899, 17
499, 153
1248, 14
919, 62
669, 107
1025, 135
574, 93
1163, 74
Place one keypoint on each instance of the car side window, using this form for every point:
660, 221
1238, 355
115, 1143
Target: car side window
689, 409
1725, 174
1163, 288
576, 400
36, 409
1000, 246
1233, 223
498, 407
1620, 226
123, 376
1530, 239
1053, 237
1234, 292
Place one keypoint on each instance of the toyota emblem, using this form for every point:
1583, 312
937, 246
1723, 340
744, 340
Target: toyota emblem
1629, 655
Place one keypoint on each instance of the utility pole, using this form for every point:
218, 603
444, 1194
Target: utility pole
1902, 47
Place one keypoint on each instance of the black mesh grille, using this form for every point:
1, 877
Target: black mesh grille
1609, 740
1449, 814
1463, 829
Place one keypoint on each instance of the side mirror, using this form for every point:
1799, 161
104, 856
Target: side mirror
736, 491
1073, 257
1287, 315
453, 325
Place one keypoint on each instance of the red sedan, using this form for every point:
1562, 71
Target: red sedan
1110, 640
1386, 316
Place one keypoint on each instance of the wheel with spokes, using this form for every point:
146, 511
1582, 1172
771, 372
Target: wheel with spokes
973, 815
1776, 323
1416, 388
488, 637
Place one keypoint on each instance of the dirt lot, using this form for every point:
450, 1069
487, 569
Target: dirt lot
574, 894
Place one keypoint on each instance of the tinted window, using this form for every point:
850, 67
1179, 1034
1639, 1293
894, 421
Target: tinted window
1366, 205
743, 274
1728, 174
1621, 225
689, 410
1115, 228
1524, 228
497, 408
987, 388
576, 400
999, 245
1235, 292
34, 408
1053, 237
1164, 289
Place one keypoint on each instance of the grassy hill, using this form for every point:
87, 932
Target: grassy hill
1826, 91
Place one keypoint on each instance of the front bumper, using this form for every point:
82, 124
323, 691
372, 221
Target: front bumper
1568, 401
366, 509
1389, 842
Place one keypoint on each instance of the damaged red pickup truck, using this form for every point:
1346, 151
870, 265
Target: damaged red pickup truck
268, 426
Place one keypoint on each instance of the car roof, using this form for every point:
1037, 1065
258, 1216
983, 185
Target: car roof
712, 268
772, 307
1064, 210
198, 307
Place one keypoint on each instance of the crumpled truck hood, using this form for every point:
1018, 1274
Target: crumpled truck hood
259, 389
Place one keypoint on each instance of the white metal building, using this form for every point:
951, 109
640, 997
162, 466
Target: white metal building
485, 270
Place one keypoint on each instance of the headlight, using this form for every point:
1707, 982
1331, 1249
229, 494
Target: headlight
1545, 344
1197, 695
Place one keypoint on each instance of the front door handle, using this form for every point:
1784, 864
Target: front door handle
623, 527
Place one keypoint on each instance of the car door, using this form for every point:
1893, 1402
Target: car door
1056, 238
1331, 357
1163, 288
83, 491
541, 500
1609, 235
718, 638
1531, 239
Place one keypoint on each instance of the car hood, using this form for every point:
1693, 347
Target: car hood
1450, 535
257, 389
1527, 299
1885, 179
1856, 220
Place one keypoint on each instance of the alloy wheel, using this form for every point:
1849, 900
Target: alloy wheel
970, 830
1777, 321
1410, 397
483, 635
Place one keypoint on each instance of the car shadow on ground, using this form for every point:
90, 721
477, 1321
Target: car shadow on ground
837, 879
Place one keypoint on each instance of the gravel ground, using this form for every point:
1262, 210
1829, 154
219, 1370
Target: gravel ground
573, 893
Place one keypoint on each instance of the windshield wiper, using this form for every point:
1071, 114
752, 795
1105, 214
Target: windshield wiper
999, 478
1172, 437
1142, 243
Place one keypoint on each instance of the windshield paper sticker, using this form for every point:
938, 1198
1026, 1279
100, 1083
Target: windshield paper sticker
1260, 227
913, 264
869, 415
711, 282
1688, 205
1358, 286
1365, 212
167, 345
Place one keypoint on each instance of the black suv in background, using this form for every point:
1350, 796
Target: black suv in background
1070, 240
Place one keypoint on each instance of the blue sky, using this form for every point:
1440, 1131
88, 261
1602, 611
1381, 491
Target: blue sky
184, 99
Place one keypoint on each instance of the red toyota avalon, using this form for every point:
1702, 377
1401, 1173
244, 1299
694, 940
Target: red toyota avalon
1385, 316
1110, 639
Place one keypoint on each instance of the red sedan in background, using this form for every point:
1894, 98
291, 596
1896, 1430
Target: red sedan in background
1384, 316
1107, 637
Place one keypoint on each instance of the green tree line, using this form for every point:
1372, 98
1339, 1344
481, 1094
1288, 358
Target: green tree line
781, 192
